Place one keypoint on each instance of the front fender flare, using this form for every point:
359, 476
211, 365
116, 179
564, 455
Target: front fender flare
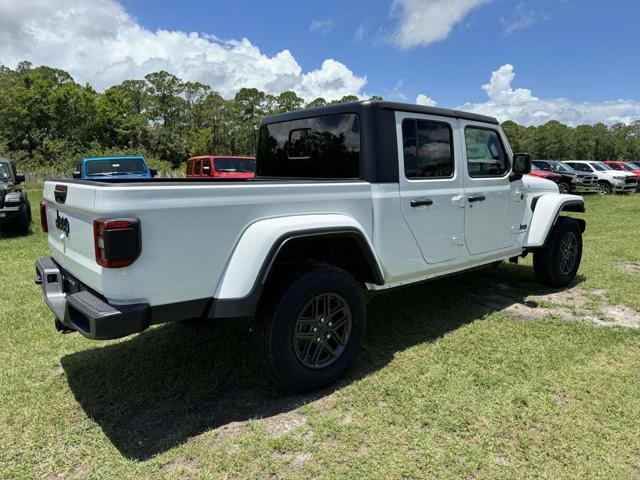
546, 210
239, 290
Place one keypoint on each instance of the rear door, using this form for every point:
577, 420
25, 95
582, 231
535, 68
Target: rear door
489, 217
431, 189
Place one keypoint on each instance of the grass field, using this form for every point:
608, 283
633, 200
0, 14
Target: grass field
485, 375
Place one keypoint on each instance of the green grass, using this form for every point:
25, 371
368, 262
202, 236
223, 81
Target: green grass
444, 387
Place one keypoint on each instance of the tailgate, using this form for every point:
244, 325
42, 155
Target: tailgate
70, 215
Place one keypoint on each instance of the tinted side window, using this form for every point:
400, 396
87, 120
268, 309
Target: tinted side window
486, 156
580, 167
615, 166
427, 149
319, 147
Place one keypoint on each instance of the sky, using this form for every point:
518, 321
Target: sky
531, 61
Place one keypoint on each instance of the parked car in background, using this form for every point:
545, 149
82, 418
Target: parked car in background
629, 167
636, 163
572, 180
609, 180
216, 166
554, 177
100, 168
15, 209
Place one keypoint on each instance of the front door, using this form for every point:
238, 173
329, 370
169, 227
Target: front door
488, 191
431, 189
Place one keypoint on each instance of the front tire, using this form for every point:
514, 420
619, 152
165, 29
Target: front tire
556, 265
564, 187
605, 188
22, 224
310, 332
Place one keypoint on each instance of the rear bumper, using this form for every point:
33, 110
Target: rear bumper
77, 308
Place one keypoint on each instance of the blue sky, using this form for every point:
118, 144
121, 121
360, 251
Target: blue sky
586, 49
574, 60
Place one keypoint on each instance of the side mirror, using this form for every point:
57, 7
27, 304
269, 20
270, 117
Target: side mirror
521, 166
19, 178
77, 174
153, 172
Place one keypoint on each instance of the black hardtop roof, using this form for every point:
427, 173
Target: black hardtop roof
372, 105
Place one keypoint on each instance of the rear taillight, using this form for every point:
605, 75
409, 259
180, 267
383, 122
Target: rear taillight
116, 241
43, 216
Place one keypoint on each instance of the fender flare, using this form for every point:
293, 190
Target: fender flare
546, 210
242, 282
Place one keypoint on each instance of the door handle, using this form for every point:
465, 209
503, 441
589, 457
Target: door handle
476, 198
421, 202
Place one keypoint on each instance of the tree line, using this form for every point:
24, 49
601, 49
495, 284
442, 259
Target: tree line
48, 120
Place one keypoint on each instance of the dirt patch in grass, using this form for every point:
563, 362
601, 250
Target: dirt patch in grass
632, 268
283, 423
293, 460
572, 304
180, 466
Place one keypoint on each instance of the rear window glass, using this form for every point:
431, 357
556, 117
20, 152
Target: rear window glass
234, 165
117, 166
319, 147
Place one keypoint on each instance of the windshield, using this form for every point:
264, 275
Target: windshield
5, 172
234, 165
116, 166
561, 167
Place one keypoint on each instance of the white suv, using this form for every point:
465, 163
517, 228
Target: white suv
609, 180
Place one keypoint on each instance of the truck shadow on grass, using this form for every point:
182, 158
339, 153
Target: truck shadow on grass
166, 385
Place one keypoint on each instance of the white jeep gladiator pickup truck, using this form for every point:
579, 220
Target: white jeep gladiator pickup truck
349, 200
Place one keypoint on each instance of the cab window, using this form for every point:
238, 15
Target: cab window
427, 149
486, 156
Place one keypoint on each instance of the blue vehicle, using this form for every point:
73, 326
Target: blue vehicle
100, 168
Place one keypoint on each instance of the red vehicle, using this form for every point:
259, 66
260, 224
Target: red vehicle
626, 167
536, 172
208, 166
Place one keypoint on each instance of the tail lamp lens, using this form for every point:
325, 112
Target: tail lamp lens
116, 241
43, 216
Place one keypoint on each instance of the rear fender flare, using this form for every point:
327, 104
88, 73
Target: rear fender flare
239, 290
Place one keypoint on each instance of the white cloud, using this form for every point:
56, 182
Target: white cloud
523, 19
100, 43
323, 26
428, 21
422, 99
521, 106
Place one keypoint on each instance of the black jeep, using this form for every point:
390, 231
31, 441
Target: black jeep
15, 210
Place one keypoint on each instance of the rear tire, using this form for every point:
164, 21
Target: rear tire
557, 263
308, 335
